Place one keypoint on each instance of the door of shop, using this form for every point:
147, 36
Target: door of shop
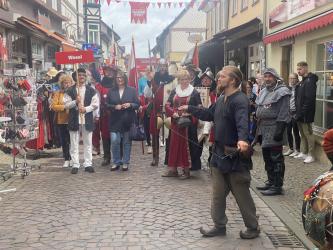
286, 62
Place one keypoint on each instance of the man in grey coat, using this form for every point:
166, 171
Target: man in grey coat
273, 116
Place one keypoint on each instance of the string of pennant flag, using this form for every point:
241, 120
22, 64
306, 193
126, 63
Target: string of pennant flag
161, 3
139, 7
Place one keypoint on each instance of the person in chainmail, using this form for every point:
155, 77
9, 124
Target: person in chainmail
273, 116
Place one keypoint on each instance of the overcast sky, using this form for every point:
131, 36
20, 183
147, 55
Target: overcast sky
119, 16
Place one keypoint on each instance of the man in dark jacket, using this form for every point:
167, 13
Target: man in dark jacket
305, 99
231, 161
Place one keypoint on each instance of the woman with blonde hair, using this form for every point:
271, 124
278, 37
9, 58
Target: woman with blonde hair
61, 117
184, 147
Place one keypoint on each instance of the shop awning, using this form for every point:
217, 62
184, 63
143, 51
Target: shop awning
66, 45
300, 28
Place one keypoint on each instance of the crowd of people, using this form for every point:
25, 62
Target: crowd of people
191, 110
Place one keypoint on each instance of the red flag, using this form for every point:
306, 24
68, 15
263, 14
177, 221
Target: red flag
139, 12
180, 4
192, 3
108, 1
159, 5
132, 74
96, 1
195, 58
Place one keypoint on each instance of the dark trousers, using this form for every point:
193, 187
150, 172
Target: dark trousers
293, 132
107, 148
146, 121
274, 166
195, 148
239, 185
65, 140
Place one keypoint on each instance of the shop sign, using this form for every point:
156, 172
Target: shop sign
291, 9
74, 57
4, 4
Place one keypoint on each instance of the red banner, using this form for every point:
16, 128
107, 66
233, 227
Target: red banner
73, 57
139, 12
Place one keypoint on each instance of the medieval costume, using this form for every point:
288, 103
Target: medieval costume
83, 122
157, 85
103, 89
273, 116
207, 91
184, 140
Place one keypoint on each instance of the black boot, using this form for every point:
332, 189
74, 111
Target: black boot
105, 162
107, 151
213, 232
278, 173
249, 233
272, 191
265, 187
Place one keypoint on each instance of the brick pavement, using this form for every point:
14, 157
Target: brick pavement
138, 209
298, 177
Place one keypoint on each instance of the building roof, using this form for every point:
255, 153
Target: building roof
110, 31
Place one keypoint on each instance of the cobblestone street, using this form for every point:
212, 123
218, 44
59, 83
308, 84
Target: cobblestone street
298, 177
138, 209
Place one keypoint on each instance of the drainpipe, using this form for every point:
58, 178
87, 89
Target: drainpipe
264, 32
77, 20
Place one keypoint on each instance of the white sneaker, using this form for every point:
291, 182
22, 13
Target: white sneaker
149, 150
66, 164
71, 163
294, 154
309, 159
162, 143
289, 152
300, 156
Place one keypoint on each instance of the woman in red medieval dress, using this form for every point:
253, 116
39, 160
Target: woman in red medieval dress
184, 146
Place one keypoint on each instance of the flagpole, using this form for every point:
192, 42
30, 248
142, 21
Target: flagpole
150, 65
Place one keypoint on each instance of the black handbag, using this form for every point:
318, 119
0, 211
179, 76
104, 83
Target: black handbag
137, 131
184, 122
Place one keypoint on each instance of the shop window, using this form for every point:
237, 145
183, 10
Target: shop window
251, 51
51, 52
18, 44
324, 70
36, 48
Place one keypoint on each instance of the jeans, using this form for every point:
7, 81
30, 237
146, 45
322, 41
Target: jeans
65, 140
116, 138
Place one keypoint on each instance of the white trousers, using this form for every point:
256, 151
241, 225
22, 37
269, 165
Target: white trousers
87, 147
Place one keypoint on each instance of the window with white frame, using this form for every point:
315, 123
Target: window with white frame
244, 4
217, 18
55, 4
234, 7
93, 33
324, 71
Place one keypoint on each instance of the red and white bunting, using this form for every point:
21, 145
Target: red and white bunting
139, 12
108, 1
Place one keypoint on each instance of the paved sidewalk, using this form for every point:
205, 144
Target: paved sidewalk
138, 209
